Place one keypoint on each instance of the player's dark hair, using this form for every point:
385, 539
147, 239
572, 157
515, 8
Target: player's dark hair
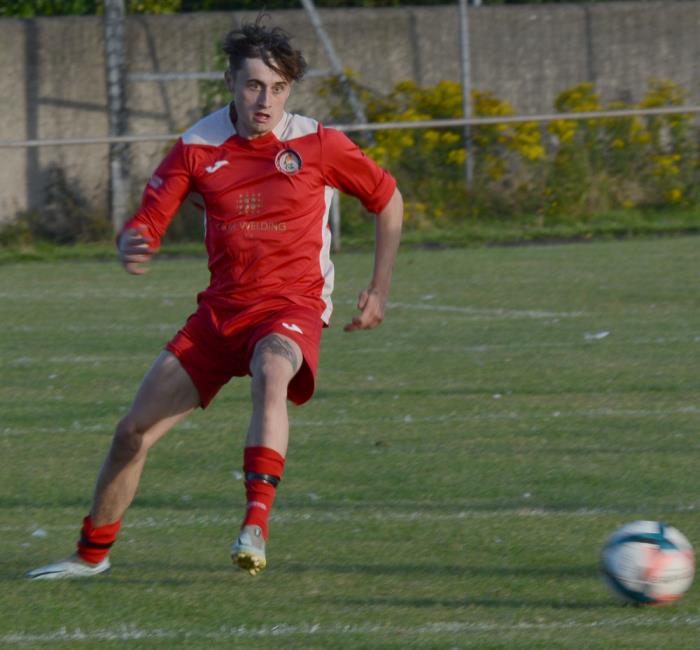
255, 41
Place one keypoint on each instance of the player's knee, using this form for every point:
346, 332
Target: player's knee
128, 441
270, 379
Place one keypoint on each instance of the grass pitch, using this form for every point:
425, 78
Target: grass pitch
449, 486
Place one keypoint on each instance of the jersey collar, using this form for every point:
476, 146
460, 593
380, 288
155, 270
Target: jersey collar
277, 131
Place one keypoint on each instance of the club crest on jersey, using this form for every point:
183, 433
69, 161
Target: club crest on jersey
288, 162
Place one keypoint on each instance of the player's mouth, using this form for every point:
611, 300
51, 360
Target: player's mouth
261, 118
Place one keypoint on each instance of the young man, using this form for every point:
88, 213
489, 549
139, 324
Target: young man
266, 178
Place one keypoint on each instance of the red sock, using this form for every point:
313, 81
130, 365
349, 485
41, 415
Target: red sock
259, 465
94, 543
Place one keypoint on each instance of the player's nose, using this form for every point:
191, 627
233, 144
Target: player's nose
264, 98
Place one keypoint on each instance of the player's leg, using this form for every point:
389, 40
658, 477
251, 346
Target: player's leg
166, 395
275, 361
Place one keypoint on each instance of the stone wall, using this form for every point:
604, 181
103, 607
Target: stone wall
53, 83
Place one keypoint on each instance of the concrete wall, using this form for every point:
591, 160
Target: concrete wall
53, 83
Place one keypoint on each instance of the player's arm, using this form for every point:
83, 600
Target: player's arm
348, 169
372, 300
140, 237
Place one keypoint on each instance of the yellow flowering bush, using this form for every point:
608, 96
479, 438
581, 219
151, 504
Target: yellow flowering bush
627, 162
672, 143
564, 169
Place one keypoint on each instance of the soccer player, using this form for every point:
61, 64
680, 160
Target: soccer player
266, 178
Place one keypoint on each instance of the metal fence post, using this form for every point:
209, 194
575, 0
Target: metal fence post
115, 62
337, 67
335, 221
466, 92
354, 101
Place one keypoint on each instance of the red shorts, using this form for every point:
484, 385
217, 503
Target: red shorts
214, 347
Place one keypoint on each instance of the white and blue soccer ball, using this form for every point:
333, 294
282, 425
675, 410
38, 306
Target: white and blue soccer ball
648, 563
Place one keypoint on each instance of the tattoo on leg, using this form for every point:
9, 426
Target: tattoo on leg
278, 345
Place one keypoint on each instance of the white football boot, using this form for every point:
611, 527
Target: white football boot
248, 551
71, 567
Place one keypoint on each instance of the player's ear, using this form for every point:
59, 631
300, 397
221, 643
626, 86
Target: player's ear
228, 78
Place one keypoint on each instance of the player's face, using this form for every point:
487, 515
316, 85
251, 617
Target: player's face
259, 94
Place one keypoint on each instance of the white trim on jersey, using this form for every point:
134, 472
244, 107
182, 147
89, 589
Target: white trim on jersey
216, 128
294, 126
327, 269
212, 130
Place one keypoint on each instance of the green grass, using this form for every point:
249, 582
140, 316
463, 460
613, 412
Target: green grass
615, 224
358, 233
449, 486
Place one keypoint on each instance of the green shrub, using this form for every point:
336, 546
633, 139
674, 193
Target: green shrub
32, 8
622, 162
63, 218
563, 171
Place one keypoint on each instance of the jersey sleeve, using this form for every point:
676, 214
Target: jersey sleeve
346, 168
164, 193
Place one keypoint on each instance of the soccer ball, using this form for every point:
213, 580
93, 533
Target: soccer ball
648, 563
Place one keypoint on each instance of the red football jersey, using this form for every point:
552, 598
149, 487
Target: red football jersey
267, 202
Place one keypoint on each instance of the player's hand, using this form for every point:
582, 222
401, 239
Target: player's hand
371, 304
135, 249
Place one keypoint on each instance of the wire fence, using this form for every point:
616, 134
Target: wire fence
335, 216
379, 126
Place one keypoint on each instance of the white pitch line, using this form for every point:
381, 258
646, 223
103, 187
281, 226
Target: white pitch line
576, 343
364, 512
513, 415
141, 295
282, 630
77, 427
396, 346
482, 348
97, 359
493, 313
96, 291
79, 359
97, 327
